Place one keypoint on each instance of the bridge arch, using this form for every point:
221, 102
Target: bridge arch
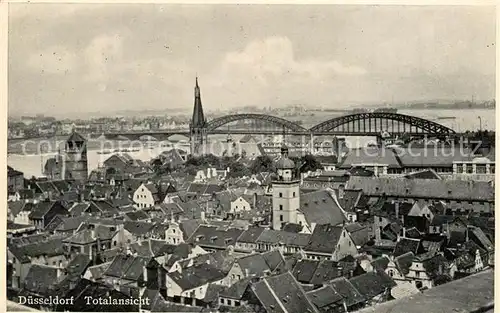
375, 122
278, 121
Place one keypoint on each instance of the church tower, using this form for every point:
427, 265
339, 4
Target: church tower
197, 127
75, 163
286, 192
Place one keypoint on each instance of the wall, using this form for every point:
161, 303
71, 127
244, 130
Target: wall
345, 246
143, 197
289, 202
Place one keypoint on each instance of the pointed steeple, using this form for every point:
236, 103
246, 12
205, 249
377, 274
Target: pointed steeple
198, 119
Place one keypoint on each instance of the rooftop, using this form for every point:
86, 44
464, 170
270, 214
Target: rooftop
470, 294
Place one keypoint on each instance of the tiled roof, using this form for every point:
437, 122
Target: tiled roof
324, 238
324, 297
39, 279
196, 276
431, 157
270, 236
403, 262
282, 293
320, 207
372, 284
213, 237
405, 245
424, 188
251, 235
346, 289
370, 156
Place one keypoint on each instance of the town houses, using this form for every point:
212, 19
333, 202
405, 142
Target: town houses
279, 232
321, 241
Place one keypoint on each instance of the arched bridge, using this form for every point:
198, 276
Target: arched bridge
359, 124
376, 122
278, 122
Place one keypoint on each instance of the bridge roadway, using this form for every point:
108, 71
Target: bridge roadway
133, 135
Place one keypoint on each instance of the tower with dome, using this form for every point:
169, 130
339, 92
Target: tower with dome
285, 192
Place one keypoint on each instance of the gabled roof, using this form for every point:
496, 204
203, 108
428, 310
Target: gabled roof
76, 137
271, 236
324, 297
370, 156
403, 262
282, 293
251, 235
40, 278
324, 238
127, 267
405, 245
372, 284
320, 207
346, 289
466, 190
197, 276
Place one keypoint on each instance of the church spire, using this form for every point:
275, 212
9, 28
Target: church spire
198, 119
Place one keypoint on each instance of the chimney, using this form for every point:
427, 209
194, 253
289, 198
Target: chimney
247, 272
254, 200
396, 208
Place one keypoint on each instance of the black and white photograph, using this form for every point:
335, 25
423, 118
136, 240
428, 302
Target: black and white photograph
253, 158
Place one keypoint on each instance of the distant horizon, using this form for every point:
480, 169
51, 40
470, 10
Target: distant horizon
187, 110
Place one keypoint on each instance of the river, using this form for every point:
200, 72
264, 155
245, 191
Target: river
31, 159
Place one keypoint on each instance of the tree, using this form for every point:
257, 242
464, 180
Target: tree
262, 163
309, 163
238, 169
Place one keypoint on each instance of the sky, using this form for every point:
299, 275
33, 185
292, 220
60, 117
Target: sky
72, 59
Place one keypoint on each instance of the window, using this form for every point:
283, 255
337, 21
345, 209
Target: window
281, 207
391, 273
281, 195
173, 231
294, 193
221, 300
281, 218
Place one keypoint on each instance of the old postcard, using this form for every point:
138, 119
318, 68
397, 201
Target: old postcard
250, 158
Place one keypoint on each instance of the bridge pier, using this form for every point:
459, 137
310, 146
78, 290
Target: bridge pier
311, 143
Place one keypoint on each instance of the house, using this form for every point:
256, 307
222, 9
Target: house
320, 207
426, 269
173, 157
190, 286
330, 242
382, 161
398, 267
232, 297
146, 196
327, 300
93, 240
212, 238
43, 212
353, 299
247, 241
451, 192
280, 293
15, 180
40, 279
45, 252
134, 271
286, 242
255, 265
241, 204
319, 272
375, 287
